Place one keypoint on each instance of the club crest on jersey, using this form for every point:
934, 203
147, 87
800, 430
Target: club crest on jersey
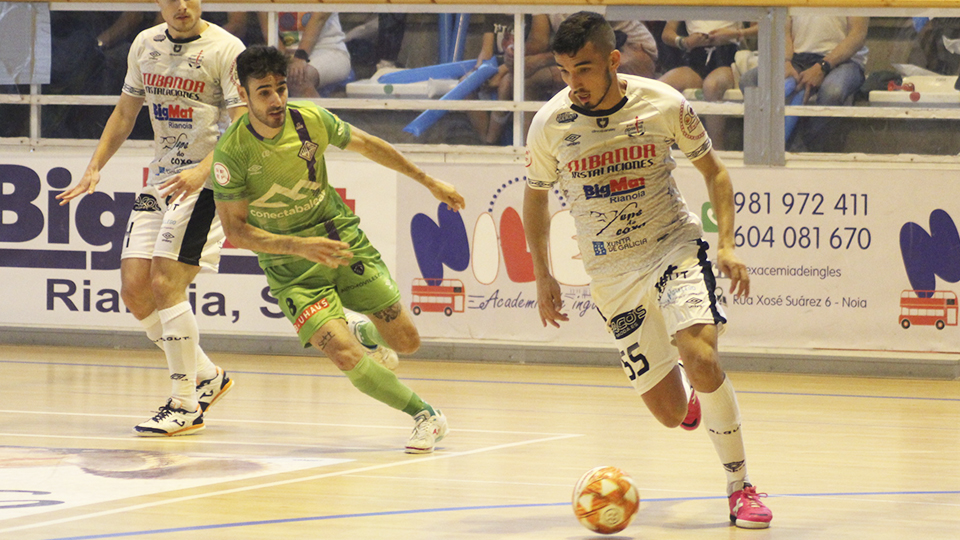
566, 117
602, 122
195, 61
308, 150
177, 48
635, 129
690, 123
357, 268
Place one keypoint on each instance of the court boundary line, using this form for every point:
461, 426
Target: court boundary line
467, 509
274, 422
433, 457
531, 383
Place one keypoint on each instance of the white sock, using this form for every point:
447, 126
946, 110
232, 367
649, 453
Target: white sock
206, 369
180, 337
721, 417
151, 324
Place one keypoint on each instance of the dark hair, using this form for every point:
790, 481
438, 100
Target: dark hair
259, 61
579, 29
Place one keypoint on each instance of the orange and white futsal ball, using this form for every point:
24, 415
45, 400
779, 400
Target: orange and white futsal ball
605, 500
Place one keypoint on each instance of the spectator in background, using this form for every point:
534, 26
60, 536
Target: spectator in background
826, 57
315, 43
708, 49
375, 43
88, 57
242, 24
938, 42
498, 40
391, 27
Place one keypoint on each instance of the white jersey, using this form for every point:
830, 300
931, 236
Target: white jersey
614, 169
188, 85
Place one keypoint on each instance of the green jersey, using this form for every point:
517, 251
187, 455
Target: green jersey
284, 179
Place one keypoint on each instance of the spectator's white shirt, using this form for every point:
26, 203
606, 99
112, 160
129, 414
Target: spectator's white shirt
705, 27
188, 85
820, 35
614, 167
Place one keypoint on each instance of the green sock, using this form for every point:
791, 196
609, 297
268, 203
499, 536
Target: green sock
369, 335
383, 385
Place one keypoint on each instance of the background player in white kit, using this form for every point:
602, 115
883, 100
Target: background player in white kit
184, 70
606, 141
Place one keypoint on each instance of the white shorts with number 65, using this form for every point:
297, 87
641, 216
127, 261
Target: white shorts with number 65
645, 310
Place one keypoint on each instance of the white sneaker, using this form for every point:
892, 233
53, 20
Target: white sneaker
427, 432
171, 421
384, 356
211, 390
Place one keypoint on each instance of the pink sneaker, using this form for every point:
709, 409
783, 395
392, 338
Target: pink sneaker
692, 420
746, 510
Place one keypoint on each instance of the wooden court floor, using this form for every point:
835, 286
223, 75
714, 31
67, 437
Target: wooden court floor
294, 452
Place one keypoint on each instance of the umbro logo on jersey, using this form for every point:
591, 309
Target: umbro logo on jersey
255, 169
154, 55
572, 139
308, 150
602, 122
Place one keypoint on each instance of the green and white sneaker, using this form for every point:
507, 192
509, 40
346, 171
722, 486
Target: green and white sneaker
427, 432
172, 421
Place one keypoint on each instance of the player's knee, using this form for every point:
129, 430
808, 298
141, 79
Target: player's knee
137, 298
407, 342
345, 358
671, 416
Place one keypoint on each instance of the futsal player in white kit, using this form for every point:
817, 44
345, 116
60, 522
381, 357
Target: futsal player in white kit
184, 69
605, 142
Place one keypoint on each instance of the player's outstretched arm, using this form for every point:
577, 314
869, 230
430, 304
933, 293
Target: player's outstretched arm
233, 216
380, 151
536, 227
720, 189
118, 128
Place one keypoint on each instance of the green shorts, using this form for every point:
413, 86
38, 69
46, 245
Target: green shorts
311, 294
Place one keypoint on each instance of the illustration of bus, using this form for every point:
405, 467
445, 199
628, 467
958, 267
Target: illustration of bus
435, 295
928, 308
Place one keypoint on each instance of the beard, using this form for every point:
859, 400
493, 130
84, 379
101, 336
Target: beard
606, 91
271, 121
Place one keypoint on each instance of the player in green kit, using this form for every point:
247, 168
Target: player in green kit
273, 197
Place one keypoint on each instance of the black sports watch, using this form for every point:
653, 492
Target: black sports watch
302, 55
825, 66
